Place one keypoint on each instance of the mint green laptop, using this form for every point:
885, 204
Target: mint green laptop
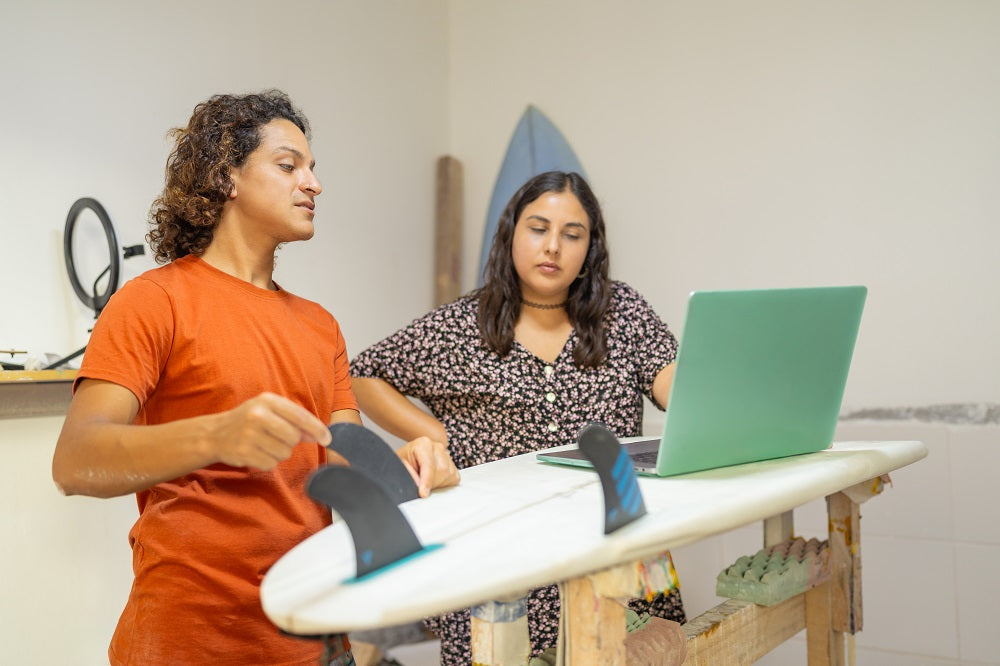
760, 374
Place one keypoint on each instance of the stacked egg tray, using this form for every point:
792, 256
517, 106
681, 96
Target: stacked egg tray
777, 573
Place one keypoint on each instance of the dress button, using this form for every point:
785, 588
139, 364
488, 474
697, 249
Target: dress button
550, 396
549, 370
553, 427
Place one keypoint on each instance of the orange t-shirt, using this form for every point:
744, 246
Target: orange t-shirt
187, 340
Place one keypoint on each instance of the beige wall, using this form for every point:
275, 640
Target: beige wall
776, 143
90, 90
67, 562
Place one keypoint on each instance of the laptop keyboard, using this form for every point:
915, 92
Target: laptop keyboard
645, 458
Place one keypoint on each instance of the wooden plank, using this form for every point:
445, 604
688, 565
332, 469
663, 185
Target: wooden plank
448, 231
845, 562
37, 375
741, 632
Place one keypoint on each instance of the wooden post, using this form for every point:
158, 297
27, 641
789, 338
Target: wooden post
845, 562
592, 625
500, 633
596, 624
824, 645
778, 529
448, 231
366, 654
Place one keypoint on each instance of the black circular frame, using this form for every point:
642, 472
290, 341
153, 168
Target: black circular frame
92, 299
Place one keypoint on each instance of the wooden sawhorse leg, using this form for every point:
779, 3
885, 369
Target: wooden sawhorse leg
593, 627
500, 633
833, 611
844, 512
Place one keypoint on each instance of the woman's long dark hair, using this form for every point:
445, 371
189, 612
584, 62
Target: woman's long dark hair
500, 296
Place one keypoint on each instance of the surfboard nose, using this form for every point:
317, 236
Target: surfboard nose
536, 146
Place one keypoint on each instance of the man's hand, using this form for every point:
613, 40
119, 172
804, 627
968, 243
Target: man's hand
429, 464
264, 430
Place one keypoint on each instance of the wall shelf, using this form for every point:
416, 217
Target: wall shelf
35, 392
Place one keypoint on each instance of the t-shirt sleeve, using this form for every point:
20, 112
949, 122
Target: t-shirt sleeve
131, 339
407, 358
343, 395
656, 346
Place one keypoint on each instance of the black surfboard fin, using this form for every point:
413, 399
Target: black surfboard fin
365, 450
380, 532
622, 498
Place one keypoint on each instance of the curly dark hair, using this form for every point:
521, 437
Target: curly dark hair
221, 134
500, 296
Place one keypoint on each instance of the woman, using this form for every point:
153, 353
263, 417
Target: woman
547, 345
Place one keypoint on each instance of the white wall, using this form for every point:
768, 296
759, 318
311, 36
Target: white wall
777, 143
795, 143
89, 92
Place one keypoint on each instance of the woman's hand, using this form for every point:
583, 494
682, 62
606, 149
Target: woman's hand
429, 464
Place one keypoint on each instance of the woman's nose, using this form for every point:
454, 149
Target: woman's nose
552, 243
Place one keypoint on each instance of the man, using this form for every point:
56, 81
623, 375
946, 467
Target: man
206, 390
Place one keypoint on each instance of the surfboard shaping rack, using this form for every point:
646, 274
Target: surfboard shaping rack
623, 501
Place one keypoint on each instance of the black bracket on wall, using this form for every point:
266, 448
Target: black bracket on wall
91, 298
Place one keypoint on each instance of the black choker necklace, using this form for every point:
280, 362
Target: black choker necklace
543, 306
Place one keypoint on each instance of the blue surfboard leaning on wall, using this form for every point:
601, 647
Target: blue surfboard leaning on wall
537, 146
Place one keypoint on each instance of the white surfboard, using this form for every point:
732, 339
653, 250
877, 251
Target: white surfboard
517, 524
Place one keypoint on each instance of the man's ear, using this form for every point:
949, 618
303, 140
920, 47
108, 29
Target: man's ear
233, 177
